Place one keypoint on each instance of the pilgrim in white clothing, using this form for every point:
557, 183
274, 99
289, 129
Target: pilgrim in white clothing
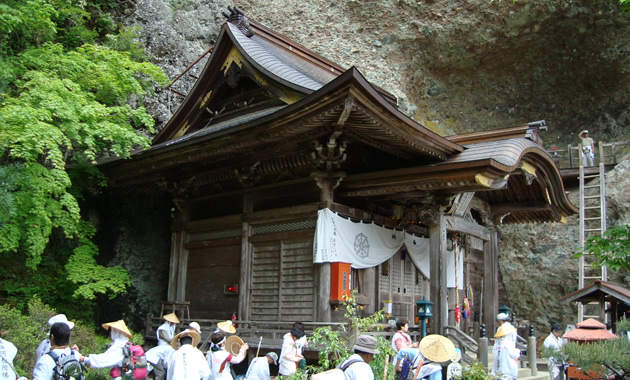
357, 366
45, 367
503, 319
166, 331
159, 357
359, 370
555, 341
219, 360
505, 364
59, 340
290, 354
259, 367
113, 356
188, 363
44, 346
7, 354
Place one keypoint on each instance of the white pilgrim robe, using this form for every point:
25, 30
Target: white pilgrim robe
359, 370
187, 363
7, 351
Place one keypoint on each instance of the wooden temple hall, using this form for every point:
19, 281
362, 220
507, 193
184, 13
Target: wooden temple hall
296, 180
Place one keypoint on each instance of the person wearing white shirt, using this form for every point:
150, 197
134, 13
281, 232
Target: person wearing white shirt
357, 366
503, 319
113, 356
59, 339
259, 367
187, 363
166, 331
219, 360
44, 346
555, 341
290, 354
505, 364
7, 354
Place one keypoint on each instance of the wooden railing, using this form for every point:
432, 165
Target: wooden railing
571, 157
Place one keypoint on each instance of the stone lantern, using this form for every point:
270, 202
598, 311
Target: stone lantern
423, 312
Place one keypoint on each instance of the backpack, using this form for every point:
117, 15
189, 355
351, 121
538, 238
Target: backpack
134, 363
406, 369
67, 367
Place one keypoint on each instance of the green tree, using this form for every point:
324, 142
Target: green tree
65, 102
612, 249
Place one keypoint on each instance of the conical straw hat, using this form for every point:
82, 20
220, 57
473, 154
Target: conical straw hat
196, 337
233, 344
504, 330
437, 348
227, 326
172, 317
120, 326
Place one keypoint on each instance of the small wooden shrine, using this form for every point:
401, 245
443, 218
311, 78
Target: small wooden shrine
272, 134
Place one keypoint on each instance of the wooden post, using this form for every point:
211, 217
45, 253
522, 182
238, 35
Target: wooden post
490, 281
246, 257
437, 242
327, 183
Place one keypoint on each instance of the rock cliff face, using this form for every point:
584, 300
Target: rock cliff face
456, 66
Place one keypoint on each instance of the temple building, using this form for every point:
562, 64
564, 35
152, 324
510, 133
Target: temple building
295, 180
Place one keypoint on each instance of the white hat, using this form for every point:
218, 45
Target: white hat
273, 356
60, 318
195, 326
502, 317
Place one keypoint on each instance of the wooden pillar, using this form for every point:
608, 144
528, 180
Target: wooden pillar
369, 286
490, 305
179, 257
173, 268
246, 257
437, 243
327, 183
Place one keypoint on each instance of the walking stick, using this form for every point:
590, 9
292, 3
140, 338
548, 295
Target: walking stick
259, 342
386, 364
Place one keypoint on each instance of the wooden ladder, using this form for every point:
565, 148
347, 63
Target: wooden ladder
592, 223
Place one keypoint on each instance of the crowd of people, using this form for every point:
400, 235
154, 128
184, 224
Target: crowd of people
177, 357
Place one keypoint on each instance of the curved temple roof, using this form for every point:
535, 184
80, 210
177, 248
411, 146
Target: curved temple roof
513, 174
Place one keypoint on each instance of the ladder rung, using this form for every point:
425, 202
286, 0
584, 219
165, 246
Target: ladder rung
592, 207
592, 196
592, 277
591, 186
594, 218
592, 229
591, 176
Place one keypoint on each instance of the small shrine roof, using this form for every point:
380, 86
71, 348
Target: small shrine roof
606, 290
590, 330
591, 323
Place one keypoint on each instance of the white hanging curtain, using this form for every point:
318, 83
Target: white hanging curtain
364, 245
455, 268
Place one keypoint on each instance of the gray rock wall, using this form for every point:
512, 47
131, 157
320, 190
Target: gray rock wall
456, 66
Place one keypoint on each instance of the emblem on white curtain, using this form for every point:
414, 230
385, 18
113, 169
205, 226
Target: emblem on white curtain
361, 245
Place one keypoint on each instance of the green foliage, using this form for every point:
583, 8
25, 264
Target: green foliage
609, 356
26, 331
64, 104
612, 249
623, 327
475, 371
336, 346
